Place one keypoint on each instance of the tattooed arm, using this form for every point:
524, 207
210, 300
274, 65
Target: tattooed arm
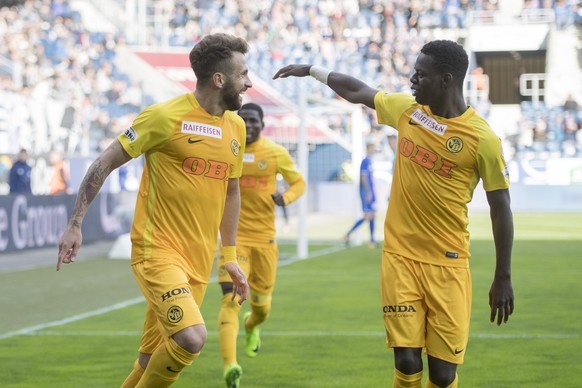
113, 157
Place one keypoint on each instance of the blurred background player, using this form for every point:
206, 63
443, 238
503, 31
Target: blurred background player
445, 148
20, 174
257, 251
193, 146
367, 196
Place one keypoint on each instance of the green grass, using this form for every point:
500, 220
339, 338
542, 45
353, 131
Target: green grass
326, 326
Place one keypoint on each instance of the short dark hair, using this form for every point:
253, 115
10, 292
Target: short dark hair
212, 53
253, 106
448, 57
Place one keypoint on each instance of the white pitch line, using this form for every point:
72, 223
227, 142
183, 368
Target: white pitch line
74, 318
32, 329
300, 334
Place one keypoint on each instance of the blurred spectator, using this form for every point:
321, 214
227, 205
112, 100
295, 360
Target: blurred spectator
564, 14
479, 78
570, 104
20, 174
570, 127
58, 184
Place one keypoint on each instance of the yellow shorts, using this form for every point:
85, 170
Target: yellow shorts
173, 301
259, 265
426, 306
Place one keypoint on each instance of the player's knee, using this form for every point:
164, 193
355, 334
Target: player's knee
408, 360
441, 373
441, 378
191, 339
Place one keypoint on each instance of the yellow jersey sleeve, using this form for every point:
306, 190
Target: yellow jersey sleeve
390, 106
286, 167
491, 164
151, 129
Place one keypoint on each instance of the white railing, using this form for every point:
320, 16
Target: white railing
527, 16
533, 85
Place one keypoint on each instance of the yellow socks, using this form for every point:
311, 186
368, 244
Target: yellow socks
133, 378
165, 365
454, 384
402, 380
228, 329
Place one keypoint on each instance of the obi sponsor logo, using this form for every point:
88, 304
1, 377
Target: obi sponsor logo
428, 122
426, 158
214, 169
248, 158
201, 129
175, 292
131, 134
254, 182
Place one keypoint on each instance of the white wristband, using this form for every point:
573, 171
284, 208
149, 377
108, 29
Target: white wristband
319, 73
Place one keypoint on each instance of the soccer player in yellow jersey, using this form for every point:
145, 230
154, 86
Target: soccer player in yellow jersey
193, 147
444, 149
257, 252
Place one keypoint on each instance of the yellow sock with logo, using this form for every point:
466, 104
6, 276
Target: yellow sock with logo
228, 326
402, 380
165, 365
454, 384
259, 314
133, 378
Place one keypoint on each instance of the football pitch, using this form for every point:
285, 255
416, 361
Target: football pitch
81, 327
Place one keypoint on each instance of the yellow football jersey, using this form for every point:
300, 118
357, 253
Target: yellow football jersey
439, 162
263, 159
190, 156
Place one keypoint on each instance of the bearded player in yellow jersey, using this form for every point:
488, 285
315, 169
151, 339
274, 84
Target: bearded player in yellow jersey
257, 251
193, 146
444, 149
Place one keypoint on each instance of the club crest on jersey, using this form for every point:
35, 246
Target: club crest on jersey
428, 122
202, 129
262, 165
454, 144
175, 314
131, 134
234, 147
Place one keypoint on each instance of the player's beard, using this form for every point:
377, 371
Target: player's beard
231, 96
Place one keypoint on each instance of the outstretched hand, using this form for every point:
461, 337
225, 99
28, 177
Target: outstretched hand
501, 300
239, 281
69, 245
296, 70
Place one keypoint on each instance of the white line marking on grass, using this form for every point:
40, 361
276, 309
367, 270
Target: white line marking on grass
300, 334
74, 318
33, 329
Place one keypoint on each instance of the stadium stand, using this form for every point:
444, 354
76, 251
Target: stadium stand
63, 89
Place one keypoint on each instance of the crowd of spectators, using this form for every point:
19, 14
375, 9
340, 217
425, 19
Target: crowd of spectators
60, 88
546, 132
377, 42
